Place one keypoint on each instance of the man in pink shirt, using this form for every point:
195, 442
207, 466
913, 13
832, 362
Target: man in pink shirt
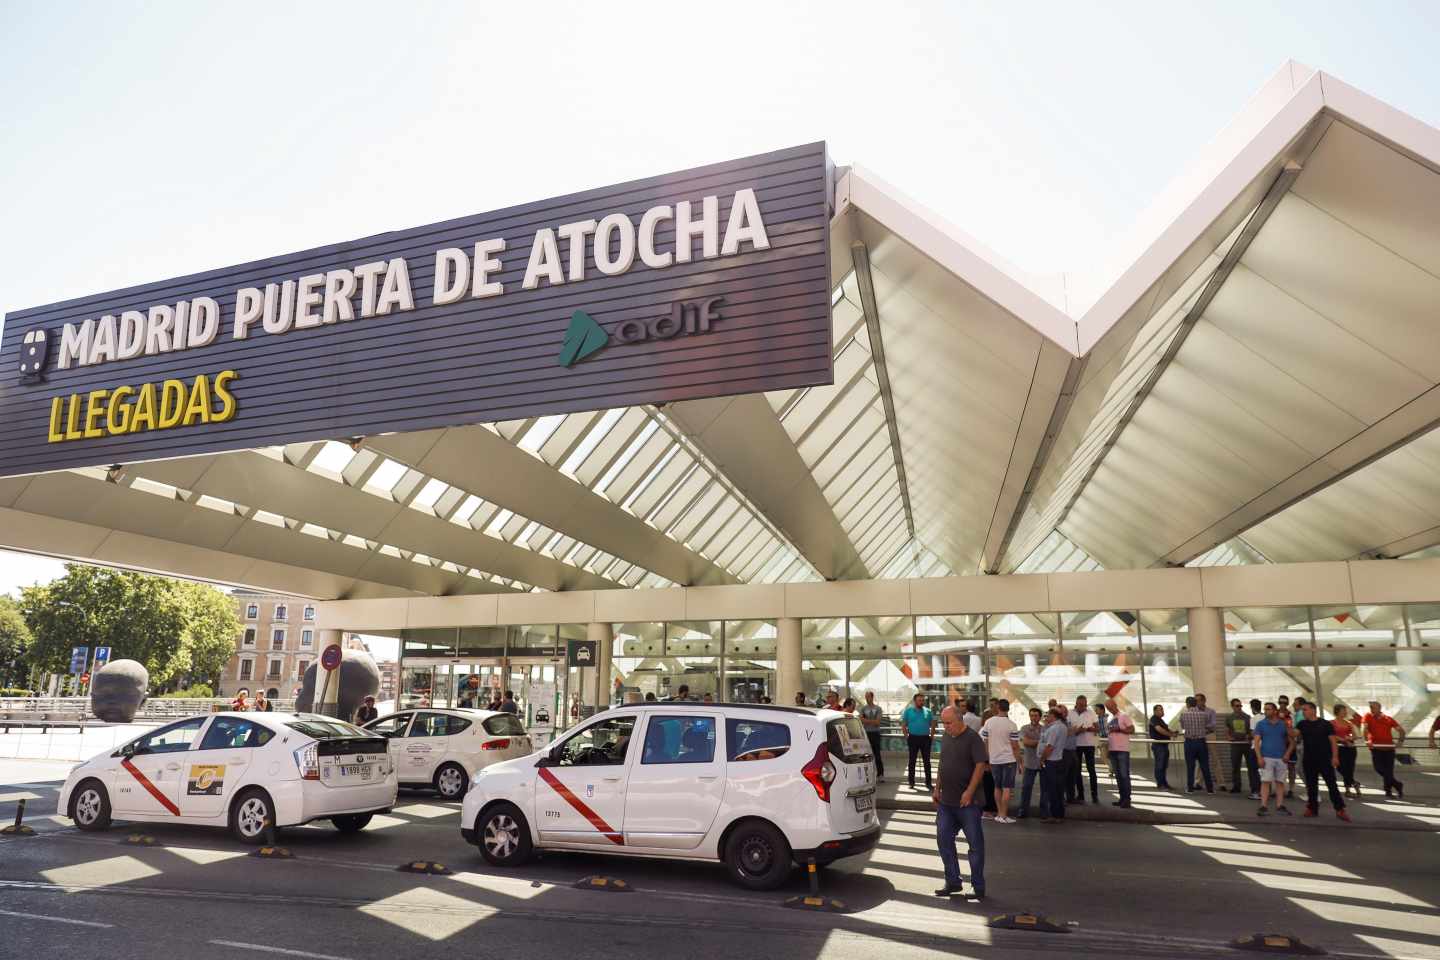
1118, 740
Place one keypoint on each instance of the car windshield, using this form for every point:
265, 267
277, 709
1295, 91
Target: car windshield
323, 728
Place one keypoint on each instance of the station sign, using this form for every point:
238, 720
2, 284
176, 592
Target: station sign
79, 657
581, 653
706, 282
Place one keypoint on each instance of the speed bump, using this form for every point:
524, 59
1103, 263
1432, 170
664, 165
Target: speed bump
1026, 921
817, 904
1275, 943
611, 884
427, 867
139, 840
273, 853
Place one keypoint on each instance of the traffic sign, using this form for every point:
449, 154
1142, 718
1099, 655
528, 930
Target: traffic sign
102, 657
79, 657
84, 678
330, 659
581, 653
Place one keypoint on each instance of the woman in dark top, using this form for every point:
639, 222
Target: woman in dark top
1345, 735
1160, 734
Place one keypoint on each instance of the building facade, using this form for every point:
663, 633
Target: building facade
276, 644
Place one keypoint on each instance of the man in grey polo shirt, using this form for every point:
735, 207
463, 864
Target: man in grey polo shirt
1030, 760
872, 716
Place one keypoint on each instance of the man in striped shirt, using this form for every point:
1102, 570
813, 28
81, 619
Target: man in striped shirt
1196, 724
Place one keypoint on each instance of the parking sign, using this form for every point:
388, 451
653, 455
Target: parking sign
102, 657
79, 656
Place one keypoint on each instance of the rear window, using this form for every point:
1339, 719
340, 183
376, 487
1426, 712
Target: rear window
324, 729
504, 725
848, 741
458, 725
756, 740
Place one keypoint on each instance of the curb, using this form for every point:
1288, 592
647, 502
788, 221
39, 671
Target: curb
1091, 813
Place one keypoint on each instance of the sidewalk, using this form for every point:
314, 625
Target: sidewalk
1420, 811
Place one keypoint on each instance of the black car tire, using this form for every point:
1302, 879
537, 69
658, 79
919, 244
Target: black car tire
95, 814
757, 856
503, 836
452, 773
251, 808
351, 822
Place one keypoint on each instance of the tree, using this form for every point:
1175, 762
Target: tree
209, 640
172, 627
15, 641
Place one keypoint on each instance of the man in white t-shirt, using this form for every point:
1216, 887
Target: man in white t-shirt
1000, 735
1085, 723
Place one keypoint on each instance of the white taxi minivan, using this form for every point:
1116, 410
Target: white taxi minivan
759, 788
237, 769
444, 749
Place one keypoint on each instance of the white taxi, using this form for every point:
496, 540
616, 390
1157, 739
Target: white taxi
237, 769
444, 749
759, 788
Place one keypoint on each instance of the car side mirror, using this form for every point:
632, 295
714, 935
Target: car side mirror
127, 751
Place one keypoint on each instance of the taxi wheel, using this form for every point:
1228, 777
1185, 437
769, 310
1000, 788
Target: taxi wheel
90, 806
503, 836
351, 822
758, 856
249, 814
451, 781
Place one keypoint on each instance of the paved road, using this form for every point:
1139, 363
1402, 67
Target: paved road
1164, 891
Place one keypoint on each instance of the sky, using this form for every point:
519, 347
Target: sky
149, 140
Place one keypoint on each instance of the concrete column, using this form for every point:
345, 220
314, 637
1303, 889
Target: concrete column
598, 692
327, 683
1207, 655
787, 660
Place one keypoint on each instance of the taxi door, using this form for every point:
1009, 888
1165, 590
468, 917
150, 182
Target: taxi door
675, 790
424, 747
580, 787
147, 774
214, 770
393, 729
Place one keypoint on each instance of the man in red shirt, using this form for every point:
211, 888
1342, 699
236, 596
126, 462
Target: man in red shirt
1383, 735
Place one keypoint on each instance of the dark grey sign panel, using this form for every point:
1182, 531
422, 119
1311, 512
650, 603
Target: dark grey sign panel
707, 282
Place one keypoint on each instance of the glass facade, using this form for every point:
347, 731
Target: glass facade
1139, 657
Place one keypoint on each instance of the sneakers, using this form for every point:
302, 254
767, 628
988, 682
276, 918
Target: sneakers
1234, 789
1283, 810
1262, 812
1309, 812
1254, 796
1004, 819
987, 815
1343, 814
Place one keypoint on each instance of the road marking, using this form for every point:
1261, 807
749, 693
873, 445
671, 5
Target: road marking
425, 811
260, 948
41, 916
428, 912
99, 873
12, 797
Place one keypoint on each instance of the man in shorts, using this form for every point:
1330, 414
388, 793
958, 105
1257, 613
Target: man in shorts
1273, 744
1000, 735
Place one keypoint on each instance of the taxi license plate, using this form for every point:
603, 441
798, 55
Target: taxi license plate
866, 802
361, 770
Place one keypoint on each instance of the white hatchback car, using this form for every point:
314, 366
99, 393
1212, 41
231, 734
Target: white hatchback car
757, 787
239, 769
444, 749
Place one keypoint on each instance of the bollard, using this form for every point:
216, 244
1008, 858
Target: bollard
18, 828
270, 832
271, 850
814, 873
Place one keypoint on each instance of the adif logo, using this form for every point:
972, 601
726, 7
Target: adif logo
34, 352
585, 337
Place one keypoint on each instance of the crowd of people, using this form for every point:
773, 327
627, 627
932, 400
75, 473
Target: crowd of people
983, 757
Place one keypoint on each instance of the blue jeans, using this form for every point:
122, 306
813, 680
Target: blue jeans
1120, 763
1052, 789
1197, 752
950, 820
1027, 788
1161, 752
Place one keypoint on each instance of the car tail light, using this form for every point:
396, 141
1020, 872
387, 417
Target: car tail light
307, 761
820, 772
501, 744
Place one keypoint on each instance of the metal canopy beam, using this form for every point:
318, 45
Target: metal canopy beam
746, 441
860, 254
494, 469
1278, 188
